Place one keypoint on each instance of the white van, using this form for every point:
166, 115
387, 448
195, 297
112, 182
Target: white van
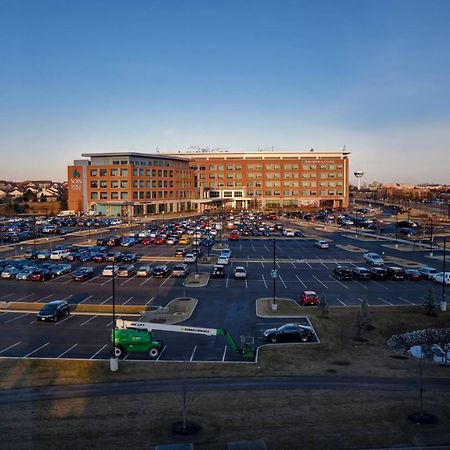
67, 213
59, 254
442, 277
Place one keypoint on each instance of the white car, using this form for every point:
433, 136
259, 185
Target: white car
428, 272
288, 233
442, 277
226, 253
240, 272
223, 260
108, 271
373, 259
321, 244
189, 258
59, 254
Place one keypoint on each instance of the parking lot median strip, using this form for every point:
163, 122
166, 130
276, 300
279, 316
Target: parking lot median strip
286, 307
177, 310
76, 309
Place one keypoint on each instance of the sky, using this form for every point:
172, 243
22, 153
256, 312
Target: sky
240, 75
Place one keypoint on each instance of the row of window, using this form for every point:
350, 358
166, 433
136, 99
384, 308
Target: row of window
151, 162
136, 173
305, 167
136, 195
269, 176
292, 193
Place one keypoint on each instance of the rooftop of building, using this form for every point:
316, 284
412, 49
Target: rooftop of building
133, 154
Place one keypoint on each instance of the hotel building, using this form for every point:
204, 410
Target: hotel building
138, 183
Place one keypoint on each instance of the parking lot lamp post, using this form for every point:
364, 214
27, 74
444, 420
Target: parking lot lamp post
443, 300
114, 363
34, 233
396, 228
274, 303
431, 236
196, 253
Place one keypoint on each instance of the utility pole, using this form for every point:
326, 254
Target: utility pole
274, 278
431, 236
443, 300
114, 362
396, 227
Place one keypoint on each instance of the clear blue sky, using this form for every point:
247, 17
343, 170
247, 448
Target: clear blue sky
88, 75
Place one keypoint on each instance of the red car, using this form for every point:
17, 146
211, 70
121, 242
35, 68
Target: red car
234, 235
309, 298
159, 240
148, 240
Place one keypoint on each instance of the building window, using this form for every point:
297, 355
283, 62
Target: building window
94, 184
123, 172
103, 184
114, 172
135, 195
123, 162
114, 184
94, 195
114, 196
103, 172
115, 162
93, 172
124, 195
103, 195
124, 184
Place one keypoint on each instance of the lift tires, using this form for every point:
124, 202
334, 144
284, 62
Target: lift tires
304, 338
153, 353
273, 339
119, 352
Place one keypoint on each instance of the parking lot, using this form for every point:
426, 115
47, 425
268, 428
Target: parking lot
224, 303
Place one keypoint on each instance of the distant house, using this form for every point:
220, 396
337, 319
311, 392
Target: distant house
3, 194
16, 193
50, 194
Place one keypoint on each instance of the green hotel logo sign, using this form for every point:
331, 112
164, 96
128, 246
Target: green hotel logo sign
76, 174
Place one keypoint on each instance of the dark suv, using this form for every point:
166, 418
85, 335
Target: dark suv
361, 273
378, 273
53, 311
342, 273
395, 273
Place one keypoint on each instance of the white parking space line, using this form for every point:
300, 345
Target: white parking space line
67, 298
145, 281
96, 353
85, 300
228, 279
15, 318
68, 281
92, 279
262, 264
127, 280
86, 321
67, 351
34, 351
337, 281
380, 285
124, 303
193, 353
407, 301
246, 284
304, 285
162, 351
165, 281
323, 284
265, 284
278, 265
43, 298
11, 346
23, 298
65, 318
323, 264
153, 298
109, 298
224, 353
340, 301
309, 265
6, 296
385, 301
357, 298
107, 281
265, 246
360, 284
282, 281
293, 265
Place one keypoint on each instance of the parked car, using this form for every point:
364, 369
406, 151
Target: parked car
129, 257
180, 252
109, 270
291, 332
31, 254
10, 273
113, 256
321, 244
395, 273
412, 274
126, 270
223, 260
144, 271
184, 241
378, 273
299, 233
54, 311
99, 256
373, 259
61, 269
442, 278
161, 271
190, 258
428, 272
83, 274
59, 254
288, 232
41, 275
309, 298
240, 272
25, 273
342, 273
361, 273
218, 271
180, 270
43, 254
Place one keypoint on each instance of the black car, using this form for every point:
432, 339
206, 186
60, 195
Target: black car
99, 257
102, 241
291, 332
129, 257
361, 273
342, 273
197, 252
218, 271
395, 273
114, 256
41, 275
31, 254
299, 233
161, 271
378, 273
83, 274
53, 311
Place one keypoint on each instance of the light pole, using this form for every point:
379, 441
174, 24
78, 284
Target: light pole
274, 277
396, 227
443, 300
114, 362
431, 236
196, 254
